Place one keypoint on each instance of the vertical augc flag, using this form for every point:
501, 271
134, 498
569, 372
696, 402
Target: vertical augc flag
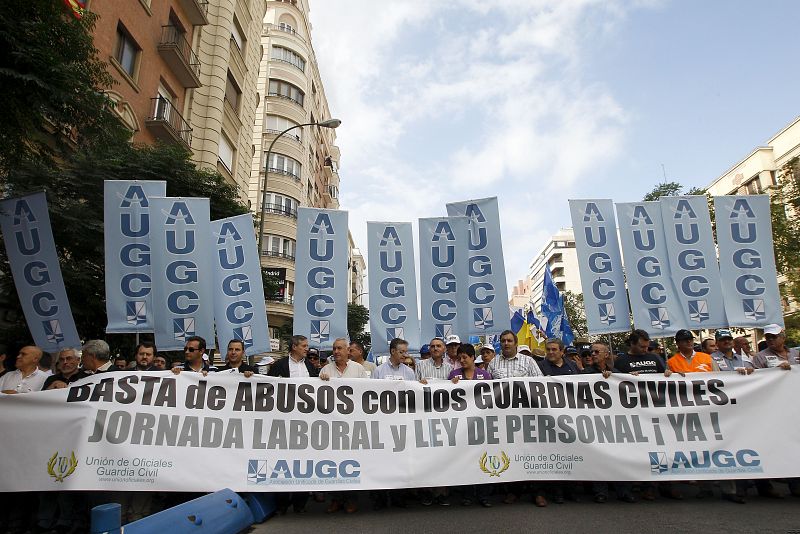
183, 273
392, 285
443, 276
126, 221
746, 260
693, 260
37, 275
600, 266
320, 291
486, 285
654, 303
239, 311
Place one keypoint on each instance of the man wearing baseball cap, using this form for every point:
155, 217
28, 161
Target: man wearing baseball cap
453, 342
776, 354
687, 360
726, 358
487, 355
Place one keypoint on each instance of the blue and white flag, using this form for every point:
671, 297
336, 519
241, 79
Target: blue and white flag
486, 286
443, 275
654, 302
553, 310
37, 275
600, 266
392, 285
239, 310
746, 261
126, 222
693, 260
320, 289
183, 271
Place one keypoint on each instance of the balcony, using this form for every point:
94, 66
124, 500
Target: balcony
177, 53
288, 135
278, 254
284, 30
196, 11
273, 170
280, 210
167, 124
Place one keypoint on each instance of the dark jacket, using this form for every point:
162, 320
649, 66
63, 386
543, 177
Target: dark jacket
281, 368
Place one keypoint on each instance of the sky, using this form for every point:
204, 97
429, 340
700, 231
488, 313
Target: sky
539, 101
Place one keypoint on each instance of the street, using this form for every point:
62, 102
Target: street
663, 515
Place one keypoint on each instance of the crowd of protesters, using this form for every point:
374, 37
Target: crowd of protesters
440, 359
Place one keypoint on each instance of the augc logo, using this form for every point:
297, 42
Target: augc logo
718, 461
303, 472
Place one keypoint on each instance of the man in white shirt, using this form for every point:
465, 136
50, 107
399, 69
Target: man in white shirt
342, 366
27, 377
296, 365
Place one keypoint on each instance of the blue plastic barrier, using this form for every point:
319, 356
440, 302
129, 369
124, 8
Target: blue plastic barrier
222, 512
262, 505
106, 519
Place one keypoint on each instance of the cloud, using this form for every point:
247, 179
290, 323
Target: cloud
449, 100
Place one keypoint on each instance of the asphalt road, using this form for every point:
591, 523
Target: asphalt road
664, 515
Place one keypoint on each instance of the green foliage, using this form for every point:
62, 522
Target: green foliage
59, 134
357, 319
666, 189
784, 205
52, 82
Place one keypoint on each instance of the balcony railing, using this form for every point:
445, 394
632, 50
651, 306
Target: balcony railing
290, 31
275, 170
166, 121
285, 97
280, 210
173, 40
288, 299
287, 135
277, 254
196, 11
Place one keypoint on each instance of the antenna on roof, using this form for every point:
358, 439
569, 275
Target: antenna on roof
664, 172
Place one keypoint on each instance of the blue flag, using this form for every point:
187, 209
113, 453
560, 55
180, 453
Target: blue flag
553, 310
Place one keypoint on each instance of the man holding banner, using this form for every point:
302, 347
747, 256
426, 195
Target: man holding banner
394, 368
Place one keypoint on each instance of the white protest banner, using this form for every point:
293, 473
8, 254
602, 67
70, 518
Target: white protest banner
320, 289
239, 311
151, 431
37, 274
443, 276
693, 260
392, 285
183, 272
600, 266
653, 298
126, 224
747, 261
486, 284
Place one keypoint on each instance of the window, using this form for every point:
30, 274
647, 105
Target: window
279, 246
237, 35
226, 152
277, 124
281, 204
280, 53
284, 165
232, 92
284, 26
127, 51
286, 90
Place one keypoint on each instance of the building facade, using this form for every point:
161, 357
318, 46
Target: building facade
302, 167
186, 72
760, 172
560, 256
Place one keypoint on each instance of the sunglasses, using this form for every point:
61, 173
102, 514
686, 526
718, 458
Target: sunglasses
190, 349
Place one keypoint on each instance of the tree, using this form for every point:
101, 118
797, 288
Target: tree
357, 319
784, 206
666, 189
59, 134
52, 83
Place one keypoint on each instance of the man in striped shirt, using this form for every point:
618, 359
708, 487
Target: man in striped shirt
510, 363
435, 366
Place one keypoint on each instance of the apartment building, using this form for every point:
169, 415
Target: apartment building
560, 256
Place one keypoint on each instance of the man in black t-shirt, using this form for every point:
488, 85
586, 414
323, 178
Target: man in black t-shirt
638, 360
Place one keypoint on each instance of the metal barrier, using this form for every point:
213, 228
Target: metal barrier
222, 512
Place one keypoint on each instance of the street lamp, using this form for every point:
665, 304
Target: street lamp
330, 123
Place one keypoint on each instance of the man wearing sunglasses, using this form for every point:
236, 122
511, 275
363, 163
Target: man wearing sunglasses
193, 351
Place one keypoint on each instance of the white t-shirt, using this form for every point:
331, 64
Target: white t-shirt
14, 380
353, 370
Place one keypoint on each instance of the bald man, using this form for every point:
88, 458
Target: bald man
27, 377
